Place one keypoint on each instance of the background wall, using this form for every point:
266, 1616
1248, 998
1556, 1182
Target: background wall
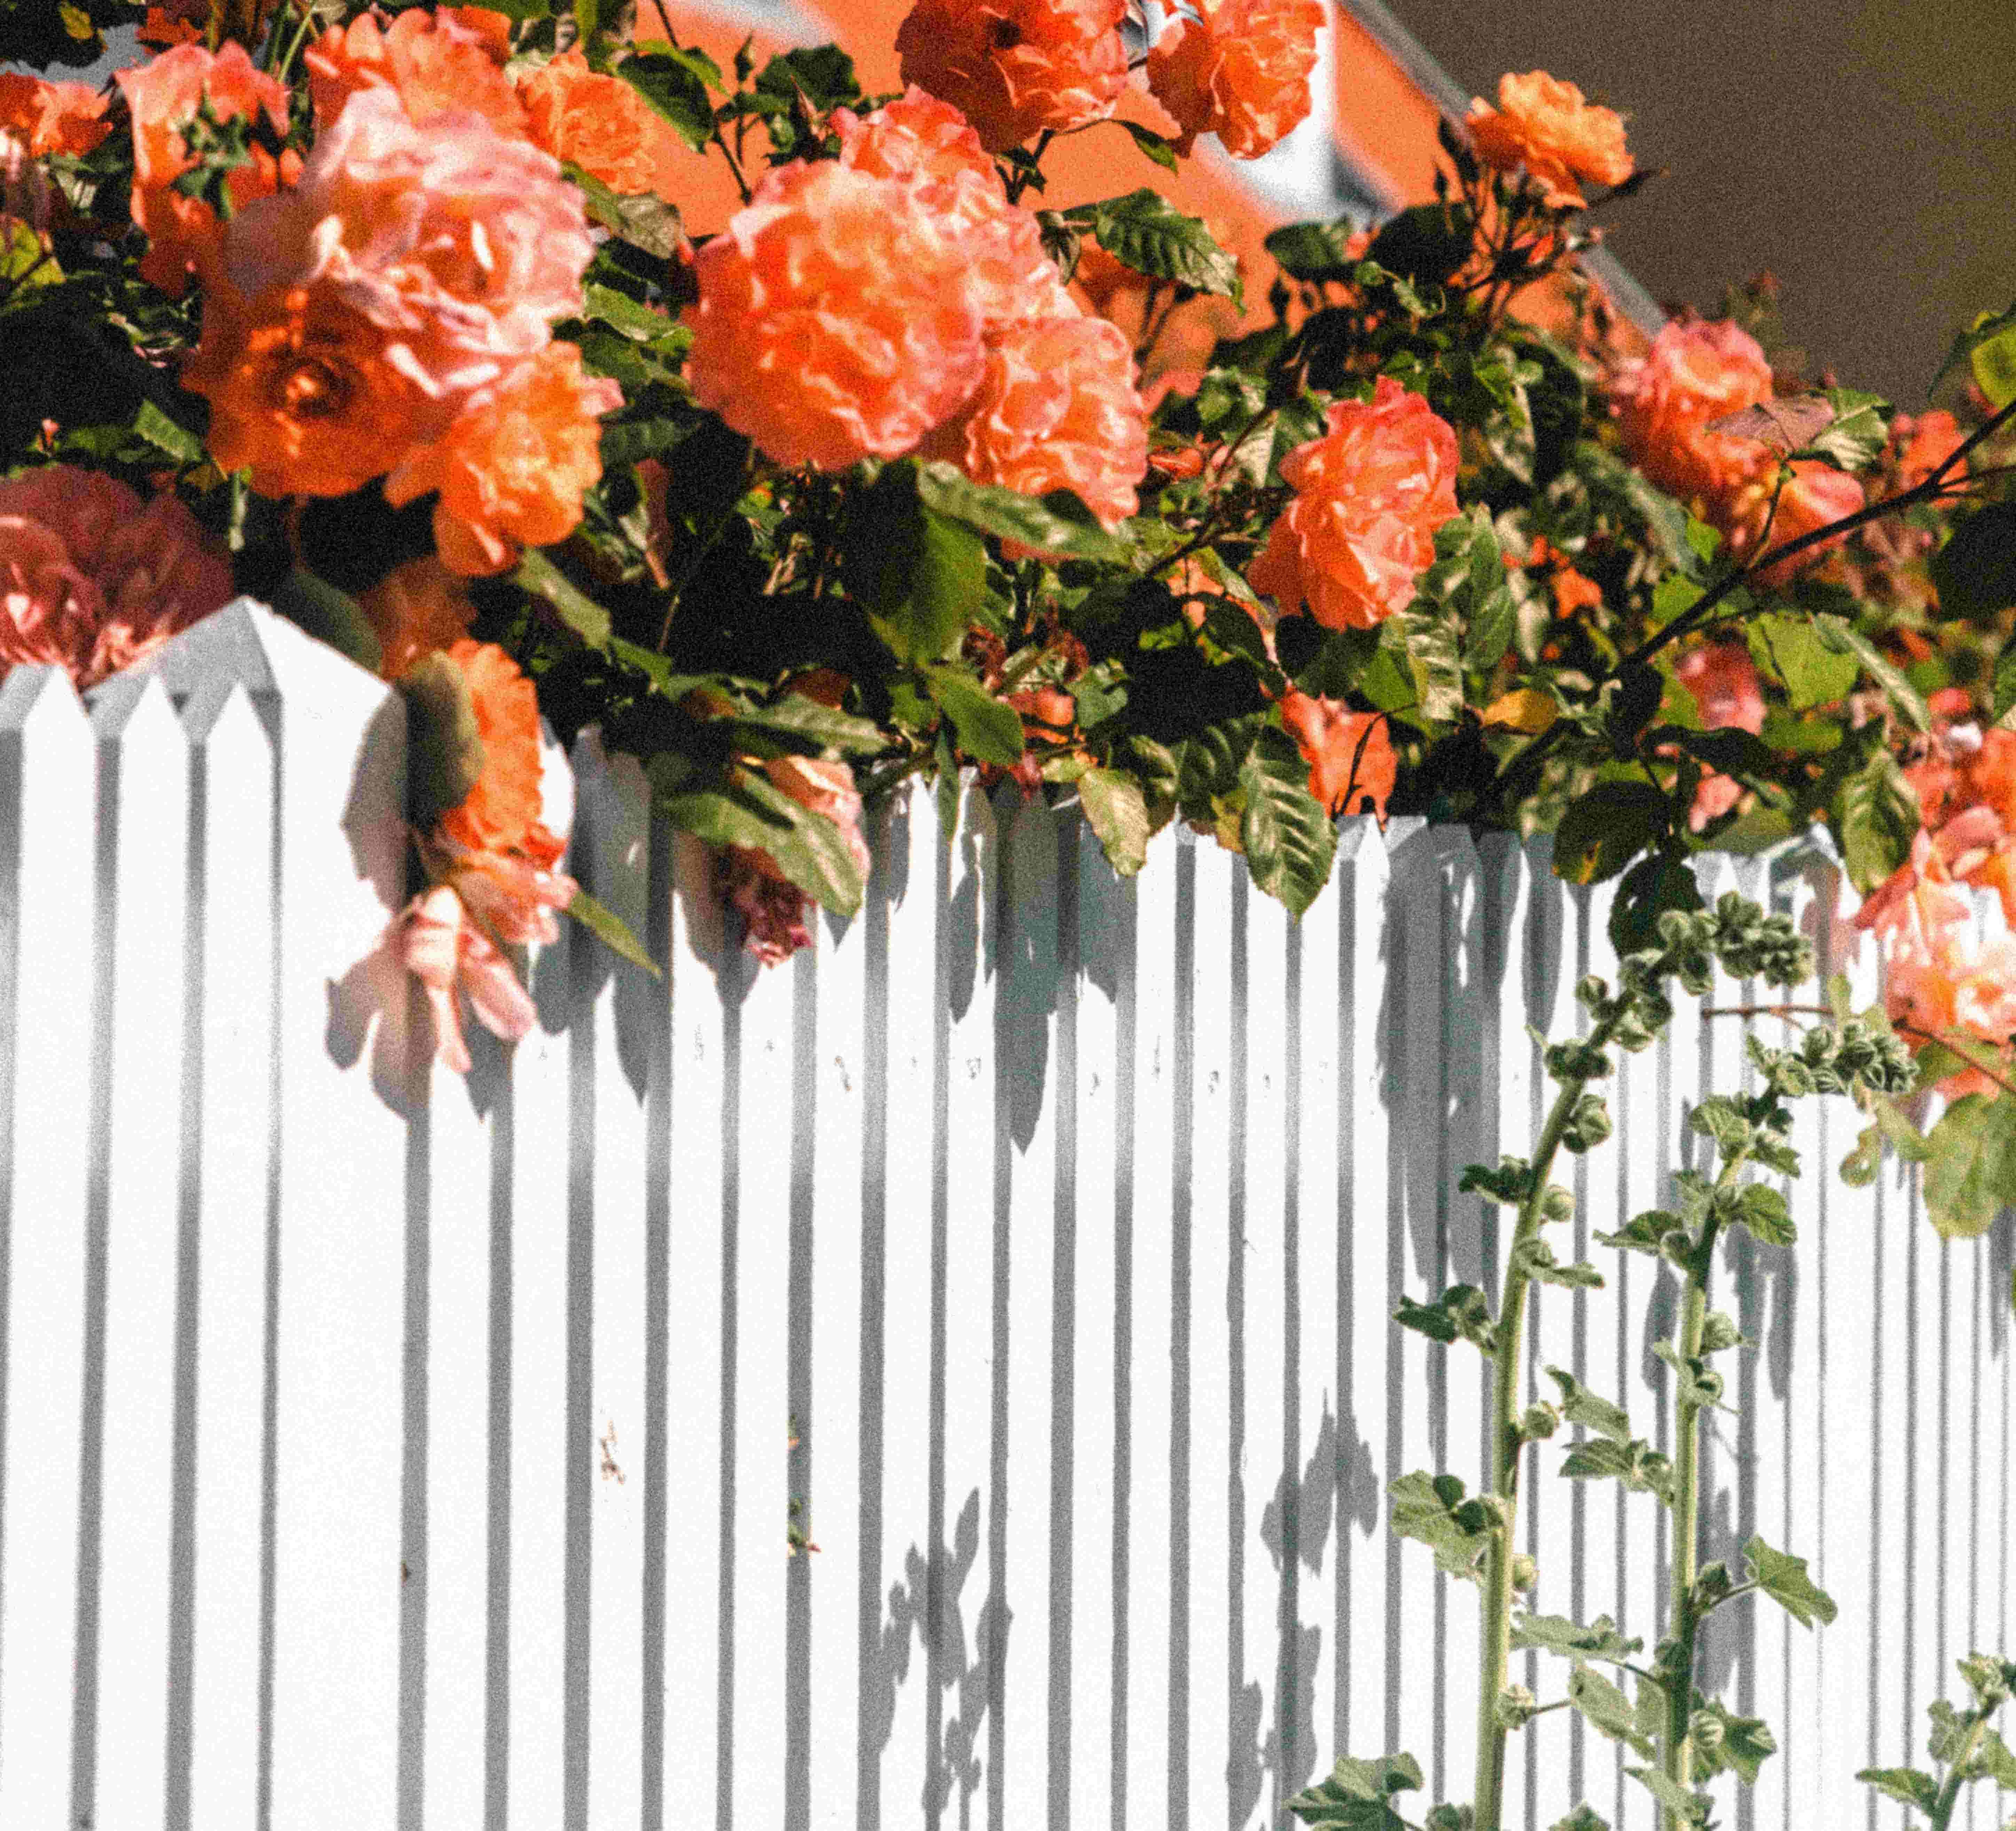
1866, 153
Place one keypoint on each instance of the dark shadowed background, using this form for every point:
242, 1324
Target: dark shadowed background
1865, 153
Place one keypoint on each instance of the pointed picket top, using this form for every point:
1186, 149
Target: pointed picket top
123, 709
217, 705
1352, 833
33, 695
245, 641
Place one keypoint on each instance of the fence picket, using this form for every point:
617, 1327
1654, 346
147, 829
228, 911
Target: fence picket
142, 911
46, 803
229, 1122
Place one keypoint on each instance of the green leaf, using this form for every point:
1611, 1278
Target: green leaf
988, 730
1605, 829
1642, 1468
1975, 570
1969, 1174
675, 91
1287, 837
1844, 638
1746, 1741
1606, 1708
1988, 347
1425, 244
1556, 1634
1856, 436
1162, 151
1356, 1796
823, 74
1117, 811
1788, 647
1908, 1784
1315, 251
646, 222
1538, 1258
921, 575
1658, 882
1433, 1509
1422, 640
1642, 1234
1762, 1209
1875, 819
748, 811
1144, 230
333, 616
1687, 1808
1058, 525
795, 716
621, 312
1783, 1578
1584, 1817
1581, 1406
1460, 1314
538, 574
167, 435
2004, 692
612, 931
443, 750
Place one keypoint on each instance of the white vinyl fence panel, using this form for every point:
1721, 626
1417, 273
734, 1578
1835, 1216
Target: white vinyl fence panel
380, 1448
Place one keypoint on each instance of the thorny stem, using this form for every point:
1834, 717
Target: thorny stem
1677, 1754
1506, 1339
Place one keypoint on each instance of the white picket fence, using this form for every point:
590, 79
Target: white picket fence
382, 1450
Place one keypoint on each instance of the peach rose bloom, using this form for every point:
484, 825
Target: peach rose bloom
92, 578
839, 318
436, 940
1695, 372
1016, 67
1350, 754
415, 608
25, 193
512, 467
174, 23
307, 392
1922, 444
1369, 494
164, 96
51, 118
431, 61
1814, 495
603, 125
463, 242
774, 910
1546, 125
490, 29
1057, 409
1723, 681
1240, 70
501, 813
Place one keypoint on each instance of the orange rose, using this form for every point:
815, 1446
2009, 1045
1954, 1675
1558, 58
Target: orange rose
1016, 67
926, 144
1240, 70
51, 118
838, 318
501, 813
1694, 373
1545, 126
305, 392
1922, 444
1350, 754
491, 30
92, 578
512, 467
1057, 409
1369, 494
1574, 591
415, 608
1814, 495
174, 23
431, 61
163, 97
603, 125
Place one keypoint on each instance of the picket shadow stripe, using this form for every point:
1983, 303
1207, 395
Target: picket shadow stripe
497, 1642
798, 1377
657, 1311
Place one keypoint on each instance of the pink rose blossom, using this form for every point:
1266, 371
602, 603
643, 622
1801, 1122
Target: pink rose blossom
435, 939
92, 578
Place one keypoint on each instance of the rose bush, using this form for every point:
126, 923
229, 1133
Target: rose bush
897, 469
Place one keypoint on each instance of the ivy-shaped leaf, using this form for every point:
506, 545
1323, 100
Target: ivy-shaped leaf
1783, 1578
1556, 1634
1460, 1314
1641, 1468
1745, 1742
1584, 1817
1357, 1795
1606, 1708
1433, 1509
1686, 1807
1581, 1406
1763, 1210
